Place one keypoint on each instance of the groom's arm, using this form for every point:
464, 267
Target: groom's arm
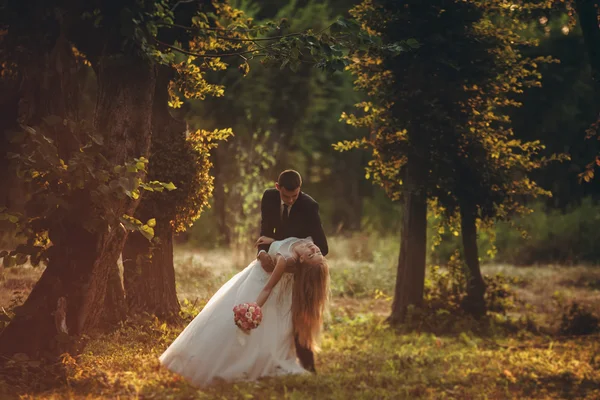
266, 226
316, 228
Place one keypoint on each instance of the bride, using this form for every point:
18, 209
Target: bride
213, 348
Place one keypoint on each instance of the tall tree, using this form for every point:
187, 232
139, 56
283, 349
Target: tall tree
438, 126
589, 19
86, 178
82, 233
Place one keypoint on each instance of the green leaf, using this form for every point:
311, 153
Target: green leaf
414, 43
147, 231
169, 186
151, 222
130, 223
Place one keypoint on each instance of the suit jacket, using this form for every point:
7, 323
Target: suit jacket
304, 220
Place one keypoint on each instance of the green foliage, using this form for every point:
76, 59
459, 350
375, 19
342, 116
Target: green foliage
81, 190
442, 106
551, 236
281, 120
185, 159
253, 158
565, 103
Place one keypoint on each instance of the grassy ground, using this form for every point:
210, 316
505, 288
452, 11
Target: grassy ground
518, 354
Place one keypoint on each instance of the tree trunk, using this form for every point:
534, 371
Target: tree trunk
588, 20
11, 192
33, 329
474, 303
410, 279
115, 306
80, 261
149, 273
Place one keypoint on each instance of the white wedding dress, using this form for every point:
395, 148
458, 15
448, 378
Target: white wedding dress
212, 347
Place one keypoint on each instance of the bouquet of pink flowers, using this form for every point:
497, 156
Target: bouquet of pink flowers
247, 316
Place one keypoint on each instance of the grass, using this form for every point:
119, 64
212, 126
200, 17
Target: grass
519, 355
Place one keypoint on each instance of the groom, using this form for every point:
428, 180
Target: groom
286, 212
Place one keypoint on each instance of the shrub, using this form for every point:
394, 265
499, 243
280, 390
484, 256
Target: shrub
579, 321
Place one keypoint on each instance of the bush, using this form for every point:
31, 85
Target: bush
579, 321
553, 237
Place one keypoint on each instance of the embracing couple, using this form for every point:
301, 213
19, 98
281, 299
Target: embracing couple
289, 281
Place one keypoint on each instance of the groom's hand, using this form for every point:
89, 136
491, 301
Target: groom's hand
266, 261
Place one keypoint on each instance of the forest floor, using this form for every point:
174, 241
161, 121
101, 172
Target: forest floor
519, 352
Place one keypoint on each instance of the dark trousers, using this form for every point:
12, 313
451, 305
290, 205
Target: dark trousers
306, 356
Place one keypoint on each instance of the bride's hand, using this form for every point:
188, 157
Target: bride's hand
264, 240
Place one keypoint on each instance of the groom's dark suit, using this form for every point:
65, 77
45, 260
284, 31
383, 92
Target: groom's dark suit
303, 221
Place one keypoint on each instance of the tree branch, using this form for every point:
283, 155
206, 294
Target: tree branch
190, 53
232, 39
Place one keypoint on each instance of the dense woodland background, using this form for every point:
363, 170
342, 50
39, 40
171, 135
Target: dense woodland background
452, 147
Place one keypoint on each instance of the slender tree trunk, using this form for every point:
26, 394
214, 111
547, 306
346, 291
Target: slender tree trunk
410, 279
149, 273
80, 261
588, 20
474, 303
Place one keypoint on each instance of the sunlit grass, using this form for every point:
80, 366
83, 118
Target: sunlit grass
519, 355
362, 358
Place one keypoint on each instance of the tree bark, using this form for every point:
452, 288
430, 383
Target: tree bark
124, 111
115, 306
410, 279
149, 273
474, 303
11, 189
80, 261
588, 20
33, 330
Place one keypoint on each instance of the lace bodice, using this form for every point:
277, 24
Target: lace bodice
284, 247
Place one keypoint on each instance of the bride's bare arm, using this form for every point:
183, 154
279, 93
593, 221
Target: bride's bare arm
280, 266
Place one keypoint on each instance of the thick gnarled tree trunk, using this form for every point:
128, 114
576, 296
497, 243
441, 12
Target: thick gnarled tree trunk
149, 273
474, 303
410, 279
80, 261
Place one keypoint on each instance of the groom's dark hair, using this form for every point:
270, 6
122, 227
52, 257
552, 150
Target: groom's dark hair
290, 179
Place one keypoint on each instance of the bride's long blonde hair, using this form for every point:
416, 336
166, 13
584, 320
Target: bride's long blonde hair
309, 298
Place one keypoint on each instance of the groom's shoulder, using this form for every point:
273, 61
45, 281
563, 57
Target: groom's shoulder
270, 193
307, 199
